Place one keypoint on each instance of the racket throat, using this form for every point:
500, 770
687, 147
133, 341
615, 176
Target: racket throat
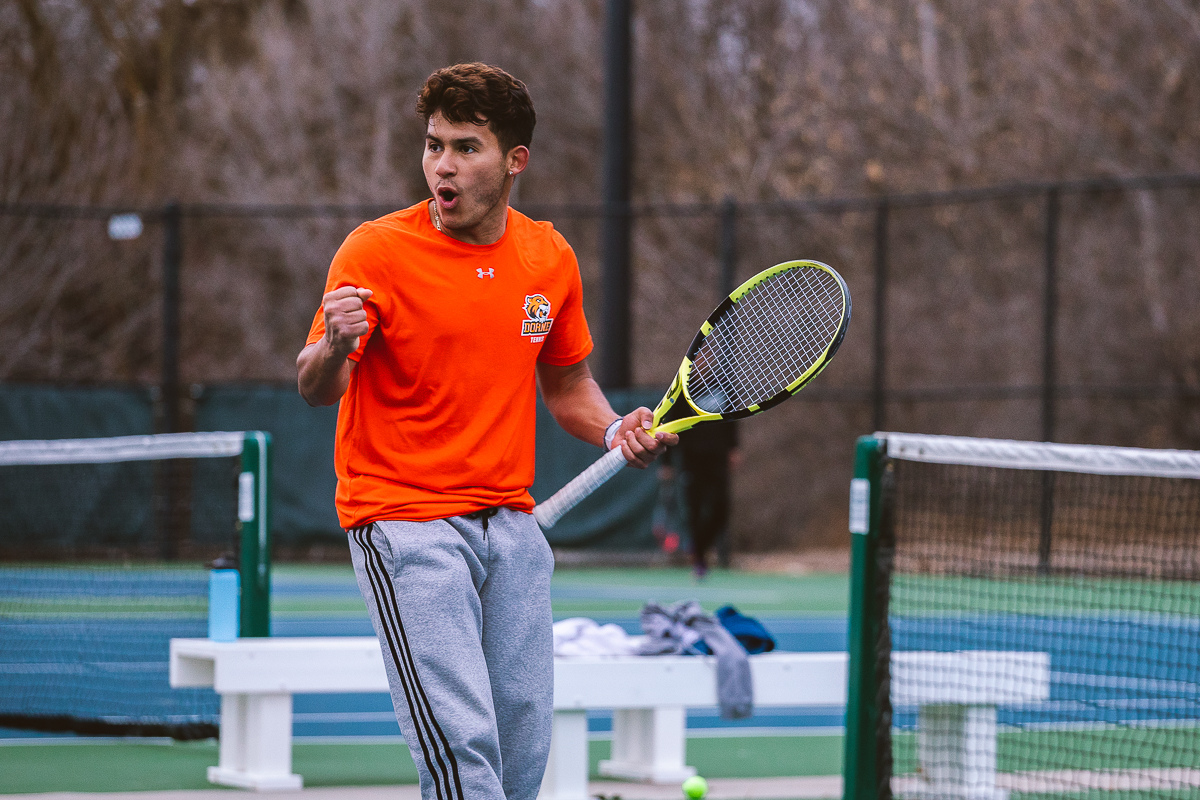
669, 408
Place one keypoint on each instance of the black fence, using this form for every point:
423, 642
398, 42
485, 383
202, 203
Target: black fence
1056, 311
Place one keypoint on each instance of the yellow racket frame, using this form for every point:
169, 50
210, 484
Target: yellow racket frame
679, 387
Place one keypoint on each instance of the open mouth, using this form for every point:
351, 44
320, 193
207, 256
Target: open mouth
448, 197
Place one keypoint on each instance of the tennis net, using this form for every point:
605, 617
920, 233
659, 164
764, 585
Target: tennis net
104, 553
1025, 620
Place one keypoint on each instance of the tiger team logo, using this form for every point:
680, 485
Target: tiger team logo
537, 311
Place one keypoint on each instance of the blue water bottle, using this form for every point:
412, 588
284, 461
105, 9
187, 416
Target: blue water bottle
224, 592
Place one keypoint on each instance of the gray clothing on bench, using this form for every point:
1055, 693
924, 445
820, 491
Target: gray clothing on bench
676, 629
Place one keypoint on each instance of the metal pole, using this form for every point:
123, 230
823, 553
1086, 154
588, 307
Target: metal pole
1050, 315
1049, 375
879, 384
728, 247
172, 255
173, 476
617, 180
727, 222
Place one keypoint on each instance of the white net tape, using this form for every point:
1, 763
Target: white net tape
121, 448
1005, 453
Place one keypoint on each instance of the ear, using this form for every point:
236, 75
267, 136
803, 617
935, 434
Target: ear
518, 159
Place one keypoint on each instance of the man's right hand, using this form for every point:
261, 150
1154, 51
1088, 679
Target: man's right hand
345, 318
323, 368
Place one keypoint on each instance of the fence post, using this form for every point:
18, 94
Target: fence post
1049, 371
1050, 314
172, 218
879, 384
615, 370
728, 223
175, 475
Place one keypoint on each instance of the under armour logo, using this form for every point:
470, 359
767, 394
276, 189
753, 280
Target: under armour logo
485, 273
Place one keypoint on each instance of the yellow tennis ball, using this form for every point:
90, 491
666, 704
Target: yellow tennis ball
695, 787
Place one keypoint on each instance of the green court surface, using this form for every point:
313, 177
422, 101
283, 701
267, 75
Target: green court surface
622, 592
1097, 749
115, 766
1046, 596
330, 590
609, 592
125, 766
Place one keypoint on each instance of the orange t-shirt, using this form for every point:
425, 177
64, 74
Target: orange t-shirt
439, 416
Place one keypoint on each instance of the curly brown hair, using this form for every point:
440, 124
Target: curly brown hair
483, 95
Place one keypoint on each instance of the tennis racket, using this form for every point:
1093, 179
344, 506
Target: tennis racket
761, 345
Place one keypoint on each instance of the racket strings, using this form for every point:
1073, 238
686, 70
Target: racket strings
757, 355
773, 335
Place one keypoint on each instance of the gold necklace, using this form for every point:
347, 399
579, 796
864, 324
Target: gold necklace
437, 218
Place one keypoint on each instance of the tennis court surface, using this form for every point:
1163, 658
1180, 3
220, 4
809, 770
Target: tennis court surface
352, 740
1083, 560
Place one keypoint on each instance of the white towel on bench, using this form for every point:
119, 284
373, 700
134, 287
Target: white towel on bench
580, 636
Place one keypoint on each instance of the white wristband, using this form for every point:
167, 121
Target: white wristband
610, 432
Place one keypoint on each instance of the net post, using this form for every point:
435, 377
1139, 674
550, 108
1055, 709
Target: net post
865, 777
254, 522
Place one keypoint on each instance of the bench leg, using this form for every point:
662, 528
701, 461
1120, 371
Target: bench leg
566, 775
256, 743
956, 747
649, 744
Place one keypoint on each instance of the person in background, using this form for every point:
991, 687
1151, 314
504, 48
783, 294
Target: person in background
706, 457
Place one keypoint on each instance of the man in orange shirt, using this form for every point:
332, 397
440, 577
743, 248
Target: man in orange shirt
437, 326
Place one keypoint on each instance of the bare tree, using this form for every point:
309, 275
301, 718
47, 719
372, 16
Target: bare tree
131, 103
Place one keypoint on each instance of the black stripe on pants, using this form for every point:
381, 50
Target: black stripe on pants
419, 708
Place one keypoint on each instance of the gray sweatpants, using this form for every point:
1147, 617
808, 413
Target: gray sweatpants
462, 612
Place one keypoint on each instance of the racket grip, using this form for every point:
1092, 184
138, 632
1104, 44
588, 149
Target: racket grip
581, 486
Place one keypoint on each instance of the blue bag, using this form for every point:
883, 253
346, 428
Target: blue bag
747, 630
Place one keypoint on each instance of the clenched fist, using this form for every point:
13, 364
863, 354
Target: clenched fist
345, 318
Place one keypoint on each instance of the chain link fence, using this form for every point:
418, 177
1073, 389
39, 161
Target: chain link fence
1060, 311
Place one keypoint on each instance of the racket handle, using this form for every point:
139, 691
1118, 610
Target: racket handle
581, 486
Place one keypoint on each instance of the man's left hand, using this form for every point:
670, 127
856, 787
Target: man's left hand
638, 445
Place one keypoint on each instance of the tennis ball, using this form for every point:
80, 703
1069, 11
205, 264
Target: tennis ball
695, 787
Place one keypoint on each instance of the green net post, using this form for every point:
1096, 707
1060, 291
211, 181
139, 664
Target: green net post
865, 776
254, 521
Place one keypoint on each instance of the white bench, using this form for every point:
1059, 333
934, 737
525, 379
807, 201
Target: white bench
956, 738
650, 696
256, 679
956, 695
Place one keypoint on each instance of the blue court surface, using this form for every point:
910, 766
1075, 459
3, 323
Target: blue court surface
575, 594
125, 674
1107, 667
92, 643
1132, 670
